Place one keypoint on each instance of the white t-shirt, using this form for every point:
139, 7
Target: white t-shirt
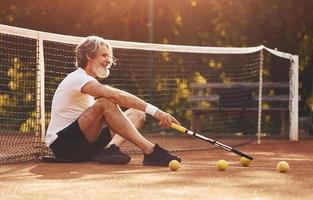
68, 103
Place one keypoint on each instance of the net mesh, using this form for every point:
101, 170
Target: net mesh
216, 94
276, 96
177, 82
19, 138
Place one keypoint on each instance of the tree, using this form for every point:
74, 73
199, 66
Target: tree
282, 24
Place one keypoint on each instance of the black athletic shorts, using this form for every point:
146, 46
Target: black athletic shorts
72, 145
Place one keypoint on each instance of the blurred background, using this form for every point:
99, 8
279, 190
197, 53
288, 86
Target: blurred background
285, 25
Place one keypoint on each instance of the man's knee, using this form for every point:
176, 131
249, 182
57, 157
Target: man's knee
105, 105
141, 116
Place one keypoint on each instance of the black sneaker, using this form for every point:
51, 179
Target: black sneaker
112, 155
159, 157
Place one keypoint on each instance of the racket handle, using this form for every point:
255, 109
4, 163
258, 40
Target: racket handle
178, 128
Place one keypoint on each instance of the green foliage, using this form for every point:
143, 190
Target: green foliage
17, 101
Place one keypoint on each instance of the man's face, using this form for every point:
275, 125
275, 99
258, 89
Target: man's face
101, 62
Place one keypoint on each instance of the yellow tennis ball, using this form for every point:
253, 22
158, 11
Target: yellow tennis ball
282, 166
245, 161
174, 165
222, 165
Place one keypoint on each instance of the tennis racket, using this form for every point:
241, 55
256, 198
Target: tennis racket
218, 144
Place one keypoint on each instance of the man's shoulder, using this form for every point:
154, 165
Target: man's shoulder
76, 79
78, 71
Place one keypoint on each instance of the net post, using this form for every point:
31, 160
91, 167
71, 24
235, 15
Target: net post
150, 24
294, 99
40, 89
260, 97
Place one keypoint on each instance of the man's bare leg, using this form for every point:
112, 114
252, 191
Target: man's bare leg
91, 122
136, 117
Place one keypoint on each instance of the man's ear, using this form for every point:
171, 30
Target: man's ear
88, 57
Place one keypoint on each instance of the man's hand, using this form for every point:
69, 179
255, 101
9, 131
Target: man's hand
165, 118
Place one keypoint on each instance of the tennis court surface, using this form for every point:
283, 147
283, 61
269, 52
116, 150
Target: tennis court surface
197, 178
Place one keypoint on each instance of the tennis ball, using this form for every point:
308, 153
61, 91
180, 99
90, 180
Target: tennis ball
222, 165
282, 166
174, 165
245, 161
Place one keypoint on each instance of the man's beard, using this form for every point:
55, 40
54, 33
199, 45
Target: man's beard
101, 72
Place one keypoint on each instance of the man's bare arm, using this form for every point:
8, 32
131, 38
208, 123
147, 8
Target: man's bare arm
125, 99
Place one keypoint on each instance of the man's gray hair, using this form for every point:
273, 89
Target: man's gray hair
89, 46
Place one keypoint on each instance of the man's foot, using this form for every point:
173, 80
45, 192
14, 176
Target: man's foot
112, 155
159, 157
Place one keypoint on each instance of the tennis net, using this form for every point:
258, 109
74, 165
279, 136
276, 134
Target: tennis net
221, 92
